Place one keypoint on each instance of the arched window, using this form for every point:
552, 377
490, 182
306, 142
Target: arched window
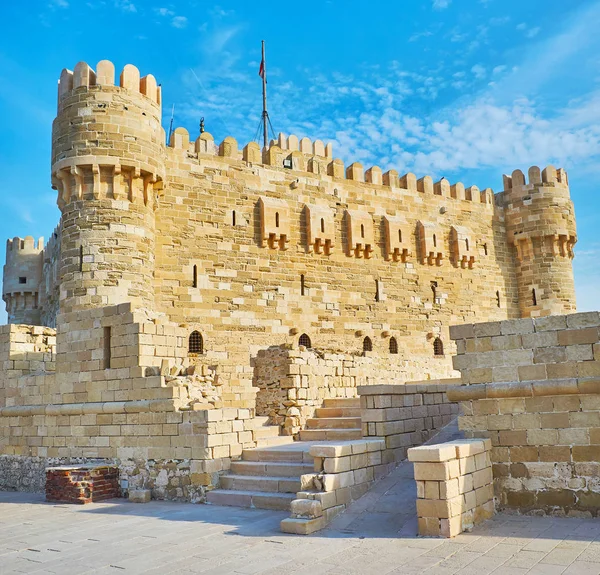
438, 346
393, 346
302, 285
497, 298
434, 241
367, 344
305, 341
434, 286
276, 219
322, 225
195, 277
400, 236
196, 343
362, 230
533, 297
233, 217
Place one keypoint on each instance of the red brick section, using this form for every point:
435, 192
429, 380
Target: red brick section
82, 484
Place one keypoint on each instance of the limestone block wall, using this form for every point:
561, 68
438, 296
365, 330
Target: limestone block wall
405, 415
343, 473
454, 486
543, 424
292, 378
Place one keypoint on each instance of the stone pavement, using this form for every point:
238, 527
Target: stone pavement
375, 535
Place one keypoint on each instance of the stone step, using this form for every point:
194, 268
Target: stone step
274, 468
337, 412
342, 402
254, 483
330, 434
261, 420
333, 423
278, 453
252, 499
275, 441
266, 431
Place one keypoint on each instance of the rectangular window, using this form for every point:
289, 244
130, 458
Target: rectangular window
107, 347
22, 280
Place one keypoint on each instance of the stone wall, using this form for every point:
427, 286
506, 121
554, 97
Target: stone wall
454, 486
405, 415
292, 379
539, 406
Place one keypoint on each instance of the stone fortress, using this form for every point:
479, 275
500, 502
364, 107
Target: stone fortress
198, 300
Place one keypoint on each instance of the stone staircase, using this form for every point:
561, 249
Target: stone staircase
338, 419
265, 478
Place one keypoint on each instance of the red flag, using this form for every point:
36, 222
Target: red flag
261, 70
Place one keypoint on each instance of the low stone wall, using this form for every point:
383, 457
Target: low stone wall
544, 423
454, 486
298, 380
82, 484
344, 472
405, 415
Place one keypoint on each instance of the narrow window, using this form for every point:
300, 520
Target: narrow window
233, 217
107, 346
22, 280
80, 258
305, 341
533, 297
276, 219
467, 244
362, 230
438, 346
367, 344
377, 295
196, 343
393, 346
322, 225
434, 286
497, 298
400, 236
485, 249
195, 277
302, 285
434, 241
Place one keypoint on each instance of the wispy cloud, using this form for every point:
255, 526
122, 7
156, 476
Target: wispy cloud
441, 4
125, 6
58, 4
179, 22
478, 71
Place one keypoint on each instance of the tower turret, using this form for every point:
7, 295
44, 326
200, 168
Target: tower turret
21, 281
540, 224
107, 165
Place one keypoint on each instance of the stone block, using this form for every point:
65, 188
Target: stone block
140, 495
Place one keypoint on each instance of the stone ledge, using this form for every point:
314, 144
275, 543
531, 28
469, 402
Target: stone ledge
140, 406
404, 389
572, 386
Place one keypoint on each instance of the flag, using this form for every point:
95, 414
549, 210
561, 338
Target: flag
261, 70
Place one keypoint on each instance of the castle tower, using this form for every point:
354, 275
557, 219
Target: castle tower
21, 281
540, 224
107, 165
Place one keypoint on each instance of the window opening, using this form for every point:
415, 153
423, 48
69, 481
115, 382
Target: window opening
438, 346
322, 225
377, 295
434, 241
367, 344
22, 280
305, 341
107, 347
400, 236
276, 219
533, 297
196, 343
393, 346
233, 217
302, 285
195, 277
362, 230
497, 298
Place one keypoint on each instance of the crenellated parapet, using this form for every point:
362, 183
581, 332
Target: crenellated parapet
541, 228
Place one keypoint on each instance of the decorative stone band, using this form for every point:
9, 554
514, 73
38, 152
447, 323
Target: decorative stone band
141, 406
572, 386
69, 177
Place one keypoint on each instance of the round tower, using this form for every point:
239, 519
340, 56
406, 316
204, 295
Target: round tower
540, 224
107, 165
21, 280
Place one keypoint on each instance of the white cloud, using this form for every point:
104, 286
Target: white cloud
533, 32
441, 4
498, 70
164, 12
179, 22
479, 71
521, 26
125, 6
58, 4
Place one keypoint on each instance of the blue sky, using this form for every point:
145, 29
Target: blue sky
466, 89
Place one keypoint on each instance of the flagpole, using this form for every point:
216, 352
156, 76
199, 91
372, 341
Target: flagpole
265, 114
